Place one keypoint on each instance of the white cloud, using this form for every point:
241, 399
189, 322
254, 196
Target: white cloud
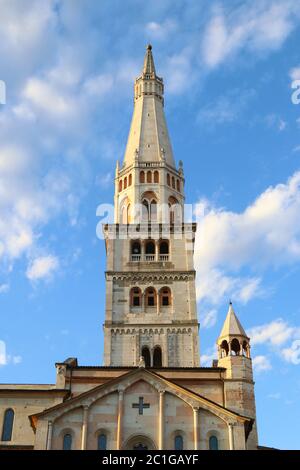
4, 288
227, 108
23, 25
255, 27
261, 364
275, 333
5, 358
161, 31
209, 318
275, 396
292, 354
28, 200
227, 242
104, 180
99, 85
282, 125
207, 358
42, 268
214, 285
296, 149
275, 121
17, 359
179, 71
51, 100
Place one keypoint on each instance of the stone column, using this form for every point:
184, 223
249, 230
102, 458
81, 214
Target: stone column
84, 427
49, 435
196, 428
120, 419
231, 437
161, 420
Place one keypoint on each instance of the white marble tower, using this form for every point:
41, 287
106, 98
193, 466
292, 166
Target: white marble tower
150, 276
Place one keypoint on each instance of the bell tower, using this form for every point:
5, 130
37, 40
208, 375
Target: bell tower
150, 276
234, 355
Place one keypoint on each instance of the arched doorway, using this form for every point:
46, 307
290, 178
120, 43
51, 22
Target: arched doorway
139, 442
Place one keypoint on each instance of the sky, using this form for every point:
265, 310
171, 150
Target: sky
228, 68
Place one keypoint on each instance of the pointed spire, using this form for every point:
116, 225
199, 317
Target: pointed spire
232, 325
148, 139
149, 67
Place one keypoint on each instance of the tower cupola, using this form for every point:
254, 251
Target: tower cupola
233, 340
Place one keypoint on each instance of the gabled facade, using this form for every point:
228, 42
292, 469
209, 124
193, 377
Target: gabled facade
151, 392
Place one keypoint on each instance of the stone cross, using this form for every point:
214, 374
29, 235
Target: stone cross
141, 405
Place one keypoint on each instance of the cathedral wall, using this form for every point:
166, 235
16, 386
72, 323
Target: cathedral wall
103, 419
213, 390
135, 423
23, 406
178, 420
68, 423
177, 345
212, 425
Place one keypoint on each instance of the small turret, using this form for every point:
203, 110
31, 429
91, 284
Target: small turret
233, 339
234, 356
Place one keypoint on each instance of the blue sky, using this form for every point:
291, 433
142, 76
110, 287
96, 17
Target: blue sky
228, 69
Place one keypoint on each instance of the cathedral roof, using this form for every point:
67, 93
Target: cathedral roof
232, 325
155, 380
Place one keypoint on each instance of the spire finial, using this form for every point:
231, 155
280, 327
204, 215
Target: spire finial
149, 67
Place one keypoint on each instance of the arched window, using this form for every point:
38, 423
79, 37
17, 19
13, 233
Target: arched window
224, 348
150, 251
213, 443
8, 423
235, 346
156, 177
149, 177
125, 182
178, 442
146, 356
149, 202
246, 349
102, 442
130, 180
136, 247
135, 297
175, 211
178, 185
157, 357
168, 180
142, 177
150, 297
124, 211
173, 182
120, 185
165, 297
164, 248
67, 442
